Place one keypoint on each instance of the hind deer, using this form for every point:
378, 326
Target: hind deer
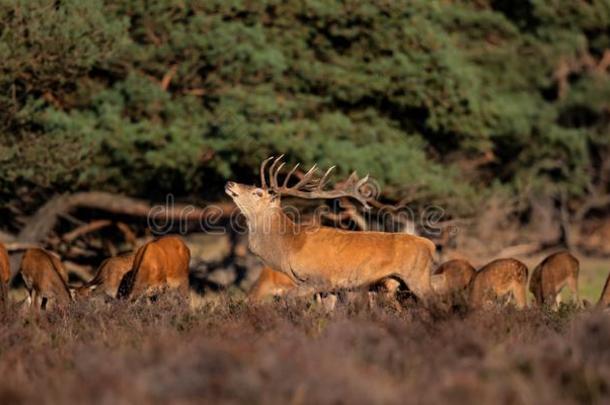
159, 265
319, 258
108, 276
551, 275
498, 279
270, 283
452, 276
45, 279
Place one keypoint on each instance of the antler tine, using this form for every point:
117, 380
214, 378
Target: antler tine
324, 178
363, 199
273, 172
289, 175
262, 172
311, 186
278, 171
306, 177
361, 182
353, 177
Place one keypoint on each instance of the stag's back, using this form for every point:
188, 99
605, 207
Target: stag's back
44, 274
497, 279
158, 265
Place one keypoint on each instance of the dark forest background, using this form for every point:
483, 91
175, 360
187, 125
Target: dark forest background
477, 106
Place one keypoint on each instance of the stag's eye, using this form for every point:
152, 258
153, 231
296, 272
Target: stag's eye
258, 192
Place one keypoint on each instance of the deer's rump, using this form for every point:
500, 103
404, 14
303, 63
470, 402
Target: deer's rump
344, 259
160, 264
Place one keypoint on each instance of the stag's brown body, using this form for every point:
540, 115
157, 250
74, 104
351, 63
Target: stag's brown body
604, 300
270, 283
108, 276
159, 265
498, 279
45, 278
322, 258
551, 275
453, 276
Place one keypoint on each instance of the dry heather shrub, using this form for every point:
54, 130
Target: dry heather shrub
291, 351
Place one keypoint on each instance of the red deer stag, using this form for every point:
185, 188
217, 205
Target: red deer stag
551, 275
319, 258
158, 265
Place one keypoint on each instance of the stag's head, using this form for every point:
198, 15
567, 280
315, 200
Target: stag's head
251, 200
255, 201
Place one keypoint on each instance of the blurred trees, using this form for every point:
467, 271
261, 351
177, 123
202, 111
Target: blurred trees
444, 101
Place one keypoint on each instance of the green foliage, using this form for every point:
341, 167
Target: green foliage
124, 95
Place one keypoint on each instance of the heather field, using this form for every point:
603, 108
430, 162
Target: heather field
257, 132
226, 350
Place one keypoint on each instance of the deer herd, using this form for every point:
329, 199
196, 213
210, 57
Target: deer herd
305, 260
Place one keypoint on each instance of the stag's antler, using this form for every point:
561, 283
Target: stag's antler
312, 187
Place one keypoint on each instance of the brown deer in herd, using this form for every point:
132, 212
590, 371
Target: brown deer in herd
452, 276
317, 258
108, 276
499, 279
45, 279
270, 283
159, 265
551, 275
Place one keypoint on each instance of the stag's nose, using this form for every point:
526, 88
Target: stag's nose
229, 188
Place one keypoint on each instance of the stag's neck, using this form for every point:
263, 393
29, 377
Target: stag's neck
271, 236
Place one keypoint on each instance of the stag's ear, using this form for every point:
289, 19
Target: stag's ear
275, 197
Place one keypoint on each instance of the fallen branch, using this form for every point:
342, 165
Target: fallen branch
520, 250
82, 272
6, 237
592, 203
128, 234
17, 246
85, 229
42, 223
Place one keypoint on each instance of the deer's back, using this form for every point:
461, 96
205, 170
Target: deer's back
457, 273
159, 263
498, 277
